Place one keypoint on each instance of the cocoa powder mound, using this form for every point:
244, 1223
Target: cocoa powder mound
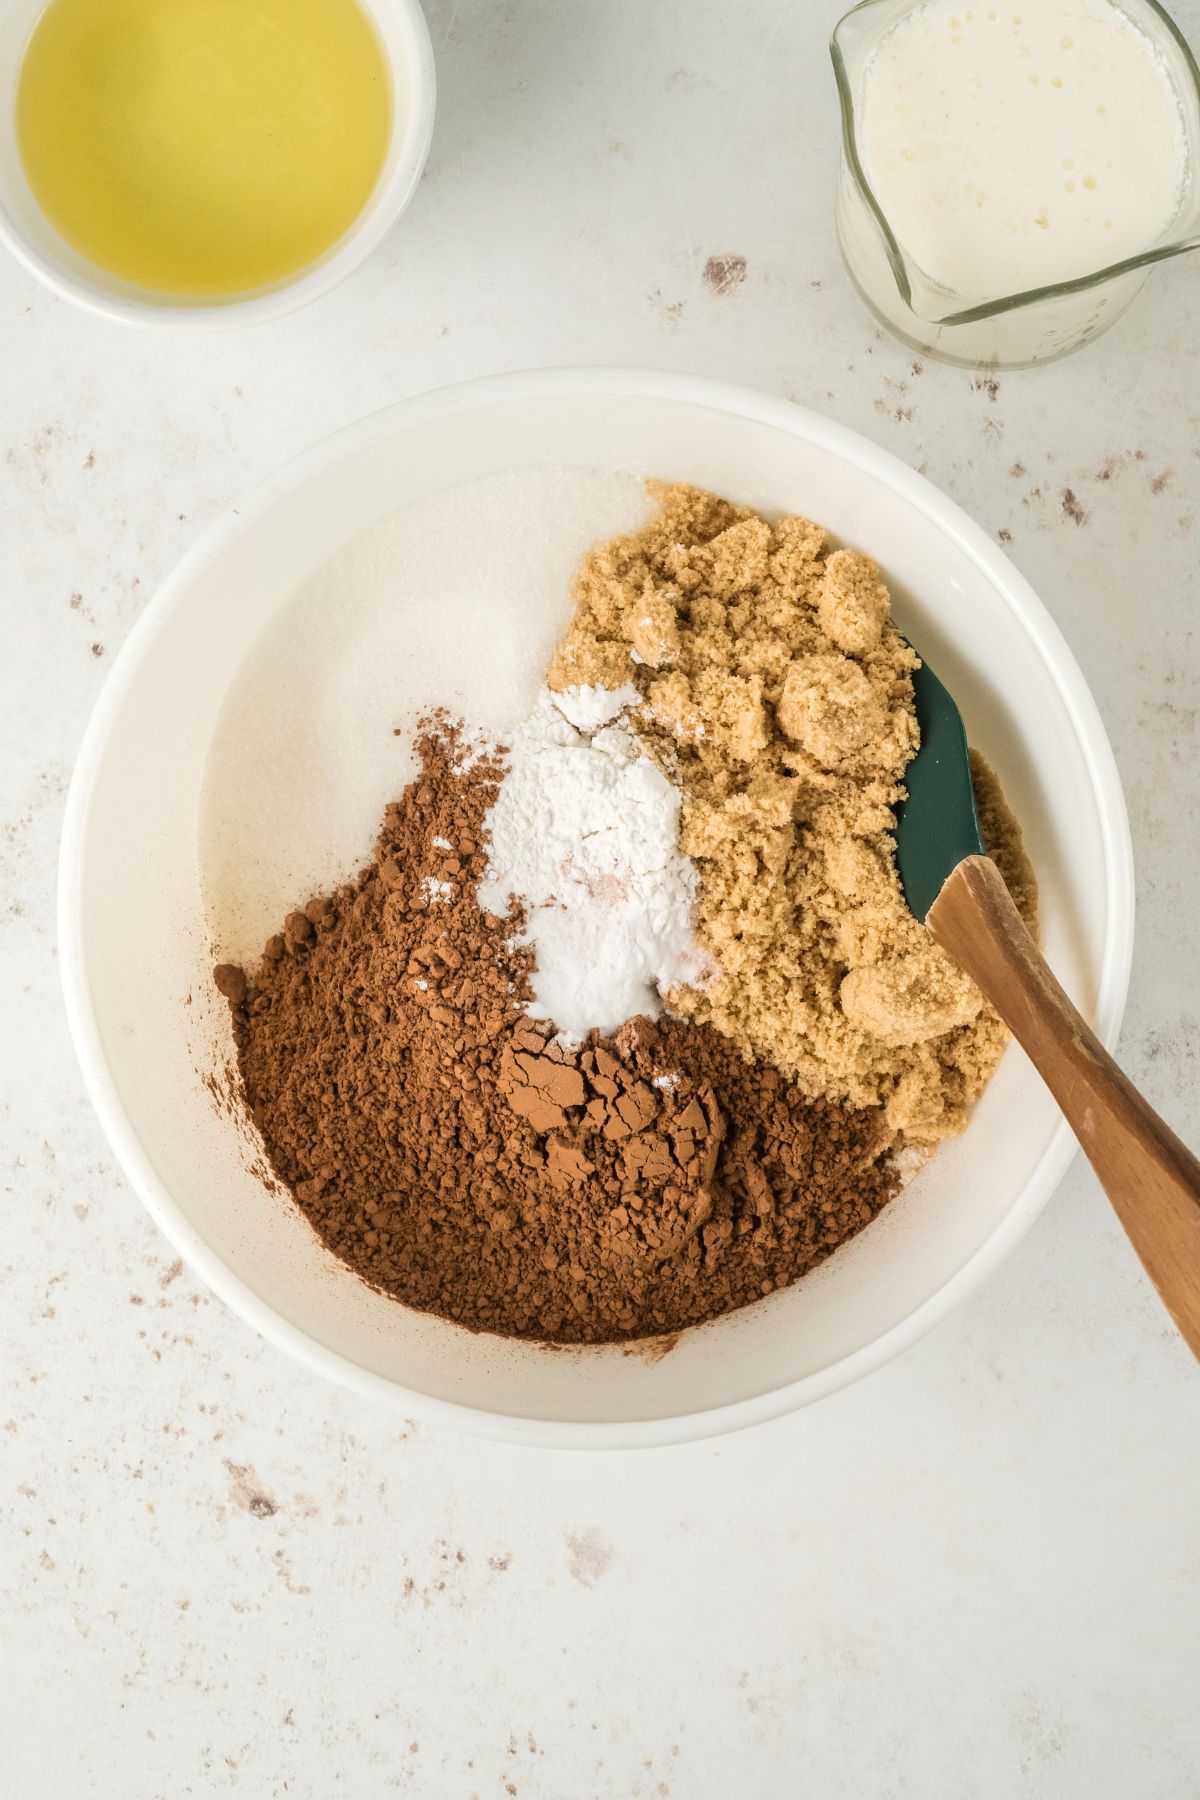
458, 1158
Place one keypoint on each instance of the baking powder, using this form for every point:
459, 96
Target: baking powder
585, 832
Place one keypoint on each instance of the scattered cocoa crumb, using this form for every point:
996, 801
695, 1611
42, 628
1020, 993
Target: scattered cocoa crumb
1072, 507
231, 981
724, 273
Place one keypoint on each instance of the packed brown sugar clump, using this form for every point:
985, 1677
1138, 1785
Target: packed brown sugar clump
455, 1156
777, 692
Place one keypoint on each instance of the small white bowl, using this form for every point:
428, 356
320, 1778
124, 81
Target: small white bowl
150, 1030
35, 242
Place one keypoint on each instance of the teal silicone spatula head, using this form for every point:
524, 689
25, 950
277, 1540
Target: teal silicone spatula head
938, 824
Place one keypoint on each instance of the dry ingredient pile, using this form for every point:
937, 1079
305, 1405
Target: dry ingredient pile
778, 694
623, 1024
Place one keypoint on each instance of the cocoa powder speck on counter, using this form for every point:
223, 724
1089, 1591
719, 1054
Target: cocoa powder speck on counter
459, 1158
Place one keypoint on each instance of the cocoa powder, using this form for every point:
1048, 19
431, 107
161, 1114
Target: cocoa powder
457, 1157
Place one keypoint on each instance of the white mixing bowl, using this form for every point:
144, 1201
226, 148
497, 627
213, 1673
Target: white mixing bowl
149, 1029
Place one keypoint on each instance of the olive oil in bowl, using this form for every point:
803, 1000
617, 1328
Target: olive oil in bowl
203, 148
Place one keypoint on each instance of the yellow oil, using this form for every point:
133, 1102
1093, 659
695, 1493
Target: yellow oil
203, 147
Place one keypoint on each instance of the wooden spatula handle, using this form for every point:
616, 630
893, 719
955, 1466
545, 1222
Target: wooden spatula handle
1151, 1178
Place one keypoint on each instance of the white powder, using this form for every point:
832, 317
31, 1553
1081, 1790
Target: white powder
589, 707
435, 892
585, 832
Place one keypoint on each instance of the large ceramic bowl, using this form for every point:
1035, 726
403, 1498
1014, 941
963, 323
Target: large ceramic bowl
136, 959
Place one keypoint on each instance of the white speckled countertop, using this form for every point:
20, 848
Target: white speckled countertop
973, 1574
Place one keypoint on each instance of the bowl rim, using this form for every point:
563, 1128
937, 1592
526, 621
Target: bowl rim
746, 403
414, 132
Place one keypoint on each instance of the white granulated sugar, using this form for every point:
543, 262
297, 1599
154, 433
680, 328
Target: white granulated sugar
585, 832
456, 601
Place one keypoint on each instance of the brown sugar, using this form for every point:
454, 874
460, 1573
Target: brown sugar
459, 1158
778, 693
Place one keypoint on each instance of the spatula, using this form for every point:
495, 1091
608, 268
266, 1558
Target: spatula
958, 893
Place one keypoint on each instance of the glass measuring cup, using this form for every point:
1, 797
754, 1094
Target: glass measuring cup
1007, 330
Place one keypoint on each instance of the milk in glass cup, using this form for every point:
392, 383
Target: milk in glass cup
1011, 172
